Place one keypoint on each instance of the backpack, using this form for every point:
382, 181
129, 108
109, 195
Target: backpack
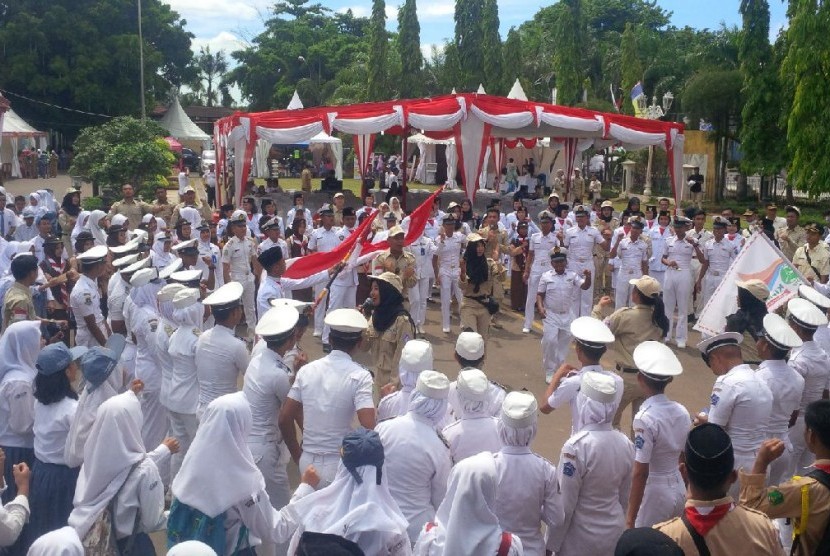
189, 524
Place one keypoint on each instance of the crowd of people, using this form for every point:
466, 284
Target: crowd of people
126, 336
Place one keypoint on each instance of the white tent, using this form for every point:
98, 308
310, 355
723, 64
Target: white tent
517, 92
180, 126
15, 128
426, 156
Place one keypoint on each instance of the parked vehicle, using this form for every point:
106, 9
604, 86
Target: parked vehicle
190, 159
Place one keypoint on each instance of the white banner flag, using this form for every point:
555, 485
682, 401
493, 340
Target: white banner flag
760, 259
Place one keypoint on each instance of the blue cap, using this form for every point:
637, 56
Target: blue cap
98, 362
77, 352
362, 447
53, 359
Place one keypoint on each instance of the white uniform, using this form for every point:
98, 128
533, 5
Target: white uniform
540, 245
238, 254
322, 241
449, 271
786, 386
526, 495
343, 293
85, 301
561, 297
569, 388
472, 435
297, 212
631, 255
594, 478
660, 430
719, 255
702, 238
331, 390
279, 288
658, 236
417, 463
118, 291
212, 251
182, 399
813, 364
741, 404
220, 358
423, 250
580, 243
677, 285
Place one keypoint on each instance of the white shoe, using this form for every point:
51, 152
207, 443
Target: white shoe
317, 334
526, 331
446, 330
548, 377
681, 345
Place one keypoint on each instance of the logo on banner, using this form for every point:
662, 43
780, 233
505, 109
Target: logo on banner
779, 277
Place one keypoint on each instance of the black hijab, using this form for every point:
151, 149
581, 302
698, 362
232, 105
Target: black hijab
391, 305
68, 207
477, 269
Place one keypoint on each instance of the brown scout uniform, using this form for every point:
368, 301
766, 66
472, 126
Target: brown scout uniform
474, 315
133, 210
387, 262
18, 305
385, 348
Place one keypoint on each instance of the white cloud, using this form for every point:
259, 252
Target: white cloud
224, 40
357, 11
198, 10
391, 13
435, 10
426, 49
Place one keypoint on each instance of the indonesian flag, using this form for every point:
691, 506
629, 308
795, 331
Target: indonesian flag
417, 222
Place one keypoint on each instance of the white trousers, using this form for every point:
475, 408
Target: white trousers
676, 297
622, 293
664, 498
83, 337
248, 298
530, 303
449, 289
340, 297
325, 464
320, 311
800, 457
555, 341
183, 428
418, 295
695, 304
659, 275
156, 427
271, 459
586, 297
711, 281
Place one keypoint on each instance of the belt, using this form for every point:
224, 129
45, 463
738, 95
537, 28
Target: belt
627, 369
477, 298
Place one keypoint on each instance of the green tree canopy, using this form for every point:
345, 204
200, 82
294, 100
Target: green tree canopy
409, 50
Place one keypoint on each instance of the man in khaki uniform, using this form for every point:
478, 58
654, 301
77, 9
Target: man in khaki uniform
496, 245
711, 516
338, 201
396, 260
129, 207
189, 200
606, 223
813, 258
18, 304
474, 314
161, 207
792, 236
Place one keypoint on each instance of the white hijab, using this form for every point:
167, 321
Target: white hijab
113, 447
19, 347
591, 412
220, 456
191, 548
60, 542
145, 296
462, 407
350, 510
93, 225
189, 316
80, 224
465, 521
11, 249
88, 403
429, 408
398, 212
516, 436
162, 258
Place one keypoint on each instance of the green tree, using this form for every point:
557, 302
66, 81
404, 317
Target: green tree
123, 150
409, 50
631, 66
378, 46
468, 43
568, 51
209, 82
806, 67
494, 80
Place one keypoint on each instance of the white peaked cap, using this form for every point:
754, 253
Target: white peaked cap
591, 332
346, 320
186, 275
143, 277
126, 261
227, 294
168, 270
805, 313
93, 254
656, 359
779, 333
709, 345
277, 321
814, 296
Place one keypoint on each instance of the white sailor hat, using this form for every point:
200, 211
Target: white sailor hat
591, 332
518, 409
656, 360
416, 356
472, 384
390, 278
599, 387
470, 346
185, 297
123, 262
225, 297
185, 245
301, 306
348, 321
805, 314
814, 296
709, 345
271, 224
680, 221
162, 236
118, 220
237, 217
558, 252
277, 323
143, 276
168, 292
780, 334
433, 384
545, 215
185, 276
94, 255
138, 265
580, 210
168, 270
140, 235
131, 245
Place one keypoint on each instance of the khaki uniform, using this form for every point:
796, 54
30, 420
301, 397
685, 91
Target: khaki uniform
163, 211
790, 240
238, 254
631, 326
18, 305
490, 243
203, 208
741, 531
819, 258
133, 210
473, 314
602, 272
67, 222
387, 262
385, 348
338, 217
784, 501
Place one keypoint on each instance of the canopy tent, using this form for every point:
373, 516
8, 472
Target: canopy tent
179, 125
427, 156
471, 119
15, 128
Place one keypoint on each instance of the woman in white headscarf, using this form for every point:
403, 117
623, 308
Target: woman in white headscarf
161, 250
80, 225
416, 356
60, 542
115, 463
594, 475
97, 225
19, 346
396, 209
466, 522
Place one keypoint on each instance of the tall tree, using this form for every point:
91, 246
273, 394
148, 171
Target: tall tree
569, 48
512, 60
209, 82
631, 66
494, 80
808, 126
468, 43
409, 49
378, 46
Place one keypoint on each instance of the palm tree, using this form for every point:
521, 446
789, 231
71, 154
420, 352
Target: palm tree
212, 68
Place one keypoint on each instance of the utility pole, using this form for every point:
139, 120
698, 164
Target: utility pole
141, 63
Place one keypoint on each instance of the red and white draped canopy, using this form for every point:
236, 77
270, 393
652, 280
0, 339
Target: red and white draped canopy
472, 119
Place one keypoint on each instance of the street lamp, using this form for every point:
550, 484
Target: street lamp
652, 112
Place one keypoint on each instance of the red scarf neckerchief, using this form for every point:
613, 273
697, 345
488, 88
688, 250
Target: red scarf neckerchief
823, 466
703, 523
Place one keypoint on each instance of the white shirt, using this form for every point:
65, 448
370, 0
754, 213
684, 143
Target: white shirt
560, 292
472, 435
183, 395
51, 428
660, 430
85, 301
632, 255
300, 212
348, 276
569, 388
449, 254
220, 358
526, 495
417, 464
658, 245
813, 364
13, 516
17, 412
679, 251
143, 323
423, 250
279, 288
164, 330
786, 386
540, 245
741, 404
323, 240
118, 290
719, 255
332, 390
238, 253
580, 243
267, 382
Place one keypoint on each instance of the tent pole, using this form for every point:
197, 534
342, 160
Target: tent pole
405, 166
